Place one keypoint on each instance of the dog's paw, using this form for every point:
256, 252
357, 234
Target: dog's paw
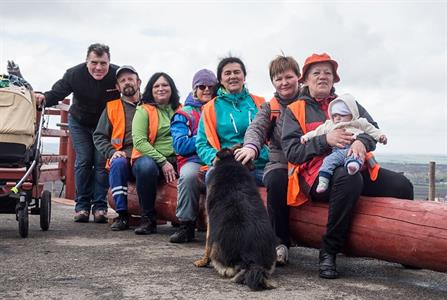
226, 272
269, 284
201, 262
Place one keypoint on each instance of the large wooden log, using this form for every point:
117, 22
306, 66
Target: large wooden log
407, 232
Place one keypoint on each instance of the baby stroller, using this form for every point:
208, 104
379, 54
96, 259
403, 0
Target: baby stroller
20, 160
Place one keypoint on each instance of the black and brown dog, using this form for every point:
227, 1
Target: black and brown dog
240, 242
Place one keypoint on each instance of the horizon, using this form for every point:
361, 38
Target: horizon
438, 157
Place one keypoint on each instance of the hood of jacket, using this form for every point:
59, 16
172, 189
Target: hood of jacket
191, 101
350, 102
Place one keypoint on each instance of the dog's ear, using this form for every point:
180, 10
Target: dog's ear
224, 153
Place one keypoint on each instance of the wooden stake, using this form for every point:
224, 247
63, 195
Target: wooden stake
431, 181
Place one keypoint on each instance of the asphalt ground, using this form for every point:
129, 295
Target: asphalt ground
89, 261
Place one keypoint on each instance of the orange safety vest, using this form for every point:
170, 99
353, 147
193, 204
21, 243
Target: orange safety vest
209, 122
115, 113
152, 114
295, 197
275, 109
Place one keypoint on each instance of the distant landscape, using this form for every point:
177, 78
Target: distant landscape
414, 167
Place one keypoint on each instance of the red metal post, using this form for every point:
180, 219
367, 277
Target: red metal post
63, 143
70, 191
67, 167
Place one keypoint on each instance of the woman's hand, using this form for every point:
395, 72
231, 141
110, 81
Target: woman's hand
358, 150
168, 172
244, 154
339, 138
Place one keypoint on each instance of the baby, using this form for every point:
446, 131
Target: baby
343, 113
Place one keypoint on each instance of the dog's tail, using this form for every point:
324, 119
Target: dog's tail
255, 277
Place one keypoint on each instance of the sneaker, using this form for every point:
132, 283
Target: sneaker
282, 255
185, 233
121, 222
100, 216
147, 226
81, 216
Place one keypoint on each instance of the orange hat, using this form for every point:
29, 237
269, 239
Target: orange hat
317, 58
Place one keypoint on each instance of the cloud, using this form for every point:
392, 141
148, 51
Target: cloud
392, 56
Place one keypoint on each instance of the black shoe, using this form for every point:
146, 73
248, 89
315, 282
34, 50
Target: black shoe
328, 268
185, 233
147, 226
121, 222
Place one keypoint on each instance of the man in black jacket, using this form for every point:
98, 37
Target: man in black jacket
93, 85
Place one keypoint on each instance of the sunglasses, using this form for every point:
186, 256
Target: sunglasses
202, 87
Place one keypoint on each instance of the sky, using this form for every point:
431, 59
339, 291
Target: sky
392, 55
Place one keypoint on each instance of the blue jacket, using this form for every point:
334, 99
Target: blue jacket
184, 129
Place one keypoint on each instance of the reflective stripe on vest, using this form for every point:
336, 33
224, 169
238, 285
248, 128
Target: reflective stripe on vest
152, 115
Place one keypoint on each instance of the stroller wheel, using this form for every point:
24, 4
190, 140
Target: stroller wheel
45, 210
22, 217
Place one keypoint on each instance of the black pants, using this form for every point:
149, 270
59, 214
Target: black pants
276, 183
343, 193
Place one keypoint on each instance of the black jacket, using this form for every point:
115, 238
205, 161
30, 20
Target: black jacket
89, 95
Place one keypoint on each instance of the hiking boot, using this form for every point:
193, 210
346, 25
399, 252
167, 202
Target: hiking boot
185, 233
121, 222
328, 268
147, 226
100, 216
81, 216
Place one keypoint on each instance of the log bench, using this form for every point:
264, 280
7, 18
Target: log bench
402, 231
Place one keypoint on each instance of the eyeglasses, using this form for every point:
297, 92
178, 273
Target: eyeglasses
202, 87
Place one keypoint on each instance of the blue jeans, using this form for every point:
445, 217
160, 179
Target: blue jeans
120, 173
188, 192
256, 173
91, 179
146, 173
336, 159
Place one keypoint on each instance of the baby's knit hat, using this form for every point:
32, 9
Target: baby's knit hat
340, 107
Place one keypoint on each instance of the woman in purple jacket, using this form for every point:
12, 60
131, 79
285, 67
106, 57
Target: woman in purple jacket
184, 129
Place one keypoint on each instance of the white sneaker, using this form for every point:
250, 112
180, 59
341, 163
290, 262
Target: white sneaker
282, 255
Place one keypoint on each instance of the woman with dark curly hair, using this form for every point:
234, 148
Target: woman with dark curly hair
153, 154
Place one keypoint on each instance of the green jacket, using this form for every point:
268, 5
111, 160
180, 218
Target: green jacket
162, 148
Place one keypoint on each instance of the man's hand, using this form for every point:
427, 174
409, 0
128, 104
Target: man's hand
168, 172
244, 154
39, 98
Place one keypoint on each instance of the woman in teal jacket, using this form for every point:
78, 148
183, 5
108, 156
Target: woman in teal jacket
226, 118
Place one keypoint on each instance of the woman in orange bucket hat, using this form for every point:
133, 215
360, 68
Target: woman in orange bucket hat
319, 74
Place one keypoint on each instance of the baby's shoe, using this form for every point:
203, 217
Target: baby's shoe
323, 184
353, 167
